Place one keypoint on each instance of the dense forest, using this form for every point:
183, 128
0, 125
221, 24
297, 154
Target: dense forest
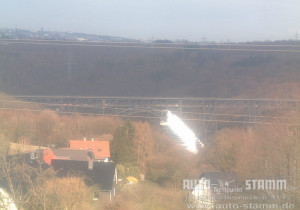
109, 71
264, 151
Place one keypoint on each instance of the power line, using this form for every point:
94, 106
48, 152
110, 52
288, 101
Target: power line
240, 115
156, 117
158, 98
142, 108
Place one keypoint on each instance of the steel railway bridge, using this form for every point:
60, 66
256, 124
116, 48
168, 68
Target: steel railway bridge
204, 114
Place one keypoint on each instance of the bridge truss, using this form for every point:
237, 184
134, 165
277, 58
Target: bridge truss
206, 115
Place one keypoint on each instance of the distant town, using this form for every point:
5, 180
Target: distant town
8, 33
17, 34
22, 34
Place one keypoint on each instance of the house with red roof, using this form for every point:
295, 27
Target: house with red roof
88, 156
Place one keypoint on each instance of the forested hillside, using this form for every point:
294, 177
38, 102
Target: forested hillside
106, 71
267, 149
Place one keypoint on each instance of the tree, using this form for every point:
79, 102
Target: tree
122, 146
143, 144
34, 188
45, 127
59, 193
5, 166
15, 174
223, 154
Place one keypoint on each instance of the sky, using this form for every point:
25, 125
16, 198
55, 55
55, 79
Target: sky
193, 20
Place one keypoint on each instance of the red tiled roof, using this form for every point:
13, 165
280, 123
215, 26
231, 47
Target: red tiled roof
101, 149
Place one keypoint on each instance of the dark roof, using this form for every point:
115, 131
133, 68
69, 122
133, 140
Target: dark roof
102, 174
71, 154
219, 179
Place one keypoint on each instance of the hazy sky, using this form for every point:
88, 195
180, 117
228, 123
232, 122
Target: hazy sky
216, 20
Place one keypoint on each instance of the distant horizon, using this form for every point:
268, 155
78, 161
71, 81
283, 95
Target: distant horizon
116, 36
194, 20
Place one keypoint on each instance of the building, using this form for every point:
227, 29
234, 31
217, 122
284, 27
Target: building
101, 149
100, 172
91, 158
67, 154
